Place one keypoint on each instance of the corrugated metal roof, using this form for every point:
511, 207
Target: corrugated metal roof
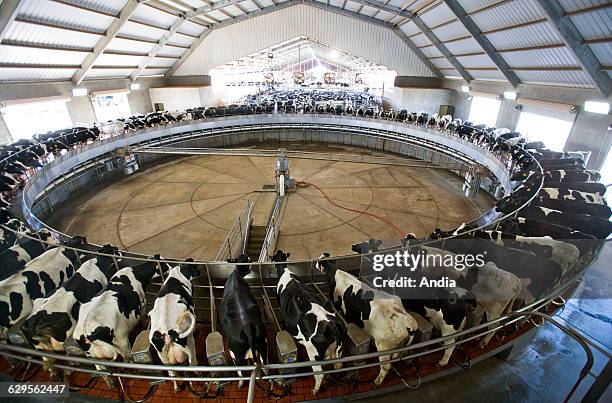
20, 31
463, 46
541, 58
126, 45
512, 13
136, 30
559, 78
594, 25
420, 40
603, 52
573, 5
153, 72
46, 10
192, 28
494, 75
437, 15
476, 61
107, 6
181, 40
25, 74
172, 51
441, 63
410, 28
15, 54
451, 31
473, 5
153, 16
540, 34
109, 73
160, 61
118, 60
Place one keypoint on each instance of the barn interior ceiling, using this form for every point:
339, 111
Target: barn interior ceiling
543, 42
299, 51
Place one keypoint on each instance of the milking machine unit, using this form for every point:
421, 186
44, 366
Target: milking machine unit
283, 179
286, 349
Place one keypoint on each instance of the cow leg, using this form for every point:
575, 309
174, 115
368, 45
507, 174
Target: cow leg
48, 364
109, 381
447, 330
493, 312
239, 359
384, 368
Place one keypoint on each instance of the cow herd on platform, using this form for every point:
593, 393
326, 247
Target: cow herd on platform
56, 290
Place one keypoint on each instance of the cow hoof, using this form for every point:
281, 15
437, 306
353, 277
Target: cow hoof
315, 392
240, 384
441, 364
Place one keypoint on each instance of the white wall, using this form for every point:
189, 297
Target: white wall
420, 99
176, 98
373, 42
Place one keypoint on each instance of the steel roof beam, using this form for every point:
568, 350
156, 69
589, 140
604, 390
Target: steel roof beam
402, 35
384, 7
441, 48
157, 48
187, 53
212, 7
574, 42
8, 11
482, 40
105, 40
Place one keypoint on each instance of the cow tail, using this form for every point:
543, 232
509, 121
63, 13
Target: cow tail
192, 322
251, 334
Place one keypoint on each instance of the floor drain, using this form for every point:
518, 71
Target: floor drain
267, 187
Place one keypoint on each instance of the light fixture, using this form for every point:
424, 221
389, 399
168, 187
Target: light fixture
79, 92
334, 54
465, 88
510, 95
134, 86
597, 107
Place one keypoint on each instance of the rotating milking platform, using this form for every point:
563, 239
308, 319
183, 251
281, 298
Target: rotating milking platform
496, 347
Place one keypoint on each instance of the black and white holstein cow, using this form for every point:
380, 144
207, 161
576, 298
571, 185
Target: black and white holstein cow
493, 288
564, 254
15, 258
596, 226
54, 318
241, 318
384, 319
8, 238
39, 277
173, 318
571, 176
570, 194
320, 331
105, 322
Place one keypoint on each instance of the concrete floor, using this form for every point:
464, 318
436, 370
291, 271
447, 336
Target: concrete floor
185, 207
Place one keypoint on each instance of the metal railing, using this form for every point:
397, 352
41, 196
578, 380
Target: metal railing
236, 241
27, 198
272, 230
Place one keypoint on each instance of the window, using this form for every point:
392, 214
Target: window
550, 127
484, 110
27, 119
110, 107
606, 170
